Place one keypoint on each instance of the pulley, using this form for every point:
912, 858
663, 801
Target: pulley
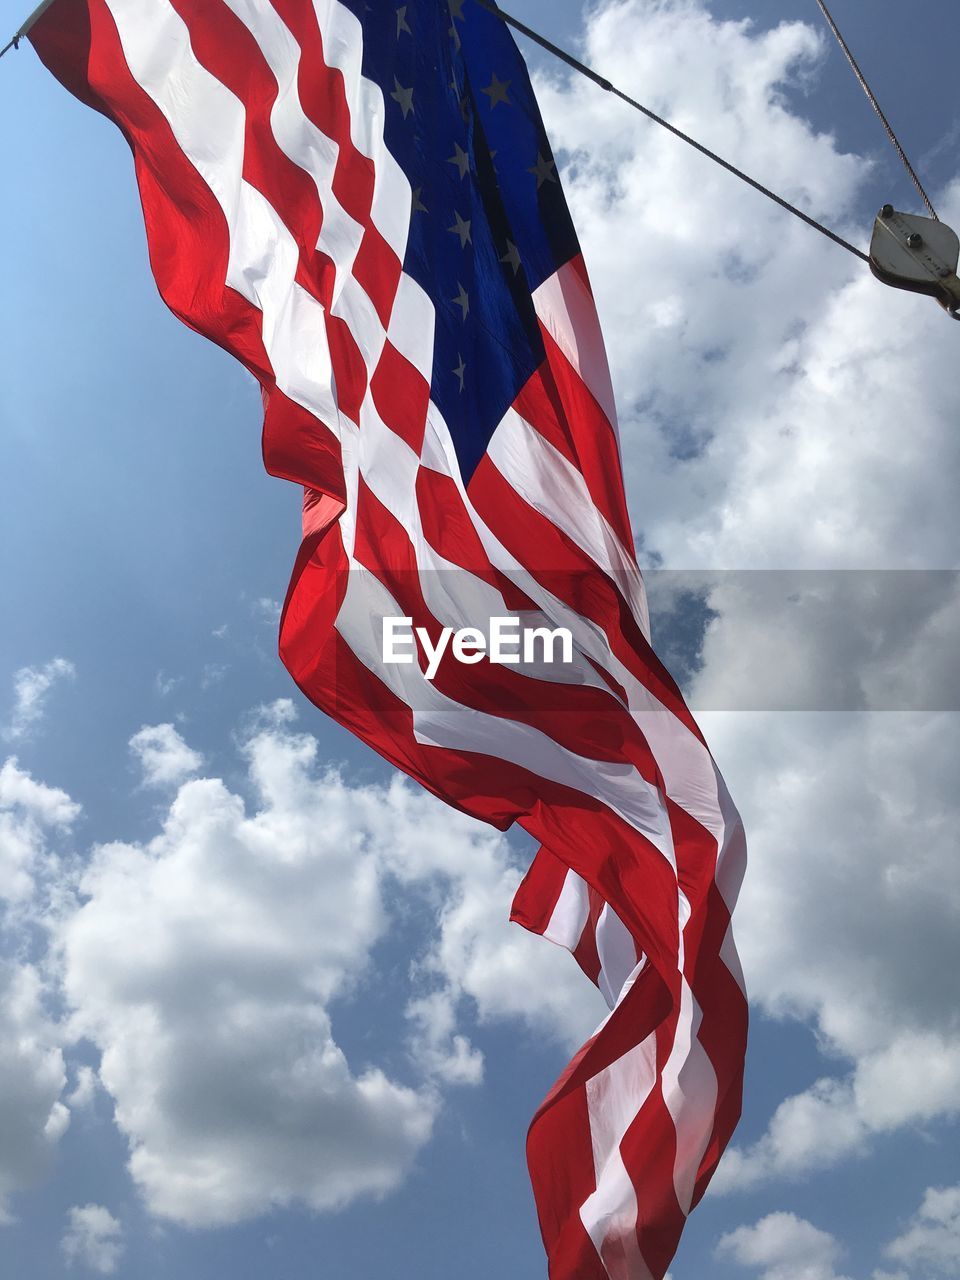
919, 254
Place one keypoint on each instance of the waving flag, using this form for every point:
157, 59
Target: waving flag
359, 201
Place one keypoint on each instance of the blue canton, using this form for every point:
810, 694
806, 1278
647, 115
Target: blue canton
489, 221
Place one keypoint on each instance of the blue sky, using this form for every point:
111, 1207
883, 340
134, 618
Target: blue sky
781, 410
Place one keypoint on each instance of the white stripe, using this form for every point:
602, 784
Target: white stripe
566, 308
618, 954
412, 323
609, 1215
570, 915
690, 1092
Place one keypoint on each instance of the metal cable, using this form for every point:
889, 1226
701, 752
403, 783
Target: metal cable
590, 74
894, 140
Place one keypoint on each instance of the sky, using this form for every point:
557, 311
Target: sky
260, 1008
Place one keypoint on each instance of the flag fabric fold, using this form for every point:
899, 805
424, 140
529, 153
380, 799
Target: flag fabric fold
359, 202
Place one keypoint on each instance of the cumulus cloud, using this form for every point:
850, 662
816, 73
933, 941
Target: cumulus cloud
851, 823
31, 685
763, 406
437, 1046
238, 928
783, 1247
163, 755
32, 1117
763, 414
29, 812
93, 1239
84, 1089
931, 1243
501, 969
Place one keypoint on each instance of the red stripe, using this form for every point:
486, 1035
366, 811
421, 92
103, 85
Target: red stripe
298, 447
561, 407
401, 396
585, 952
539, 892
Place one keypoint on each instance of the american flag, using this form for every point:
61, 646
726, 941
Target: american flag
359, 201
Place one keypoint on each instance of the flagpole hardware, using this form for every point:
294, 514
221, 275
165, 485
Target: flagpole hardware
919, 254
14, 41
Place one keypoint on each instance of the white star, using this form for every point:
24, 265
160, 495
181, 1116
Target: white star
496, 91
456, 8
460, 159
512, 257
402, 21
461, 228
460, 370
418, 205
461, 300
543, 170
403, 96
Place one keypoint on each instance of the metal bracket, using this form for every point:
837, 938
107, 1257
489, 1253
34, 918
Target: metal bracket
919, 254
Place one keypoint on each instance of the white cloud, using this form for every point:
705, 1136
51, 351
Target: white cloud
437, 1046
213, 674
850, 821
93, 1239
238, 928
29, 811
216, 1043
783, 1247
765, 385
84, 1089
32, 1117
31, 686
266, 610
477, 953
164, 684
931, 1244
163, 755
